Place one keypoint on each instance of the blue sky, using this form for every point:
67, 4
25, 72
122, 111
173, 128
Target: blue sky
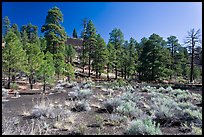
135, 19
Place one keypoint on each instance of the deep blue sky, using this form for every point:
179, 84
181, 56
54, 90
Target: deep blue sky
135, 19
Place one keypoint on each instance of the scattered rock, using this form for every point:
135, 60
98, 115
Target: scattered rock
81, 106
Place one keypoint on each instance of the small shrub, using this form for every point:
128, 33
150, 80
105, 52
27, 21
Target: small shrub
14, 86
129, 109
193, 116
186, 105
81, 106
143, 127
165, 108
196, 130
112, 104
197, 97
84, 93
80, 94
148, 89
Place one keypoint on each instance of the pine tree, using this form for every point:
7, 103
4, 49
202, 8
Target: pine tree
74, 33
69, 53
100, 57
55, 36
47, 69
69, 72
117, 39
173, 46
31, 32
54, 33
131, 57
111, 57
5, 26
15, 30
35, 57
153, 59
13, 56
84, 54
91, 43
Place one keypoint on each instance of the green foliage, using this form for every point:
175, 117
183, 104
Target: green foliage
154, 59
197, 72
15, 30
111, 56
59, 63
74, 33
14, 86
143, 127
69, 53
47, 69
69, 71
129, 109
35, 57
91, 43
84, 93
55, 36
31, 33
116, 39
13, 55
5, 26
100, 56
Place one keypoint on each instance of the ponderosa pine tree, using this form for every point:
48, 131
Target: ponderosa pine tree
13, 56
132, 58
5, 26
69, 72
153, 59
69, 53
100, 56
124, 59
91, 43
173, 46
116, 39
55, 36
111, 57
31, 31
15, 30
84, 54
47, 70
74, 33
35, 57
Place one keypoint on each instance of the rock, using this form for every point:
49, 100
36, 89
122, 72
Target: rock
95, 105
37, 113
4, 92
101, 100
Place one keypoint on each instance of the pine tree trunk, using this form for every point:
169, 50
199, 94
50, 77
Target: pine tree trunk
192, 59
31, 81
89, 66
9, 79
13, 77
44, 84
108, 71
116, 73
125, 72
122, 73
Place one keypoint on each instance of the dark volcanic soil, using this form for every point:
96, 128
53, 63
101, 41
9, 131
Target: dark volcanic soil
15, 106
